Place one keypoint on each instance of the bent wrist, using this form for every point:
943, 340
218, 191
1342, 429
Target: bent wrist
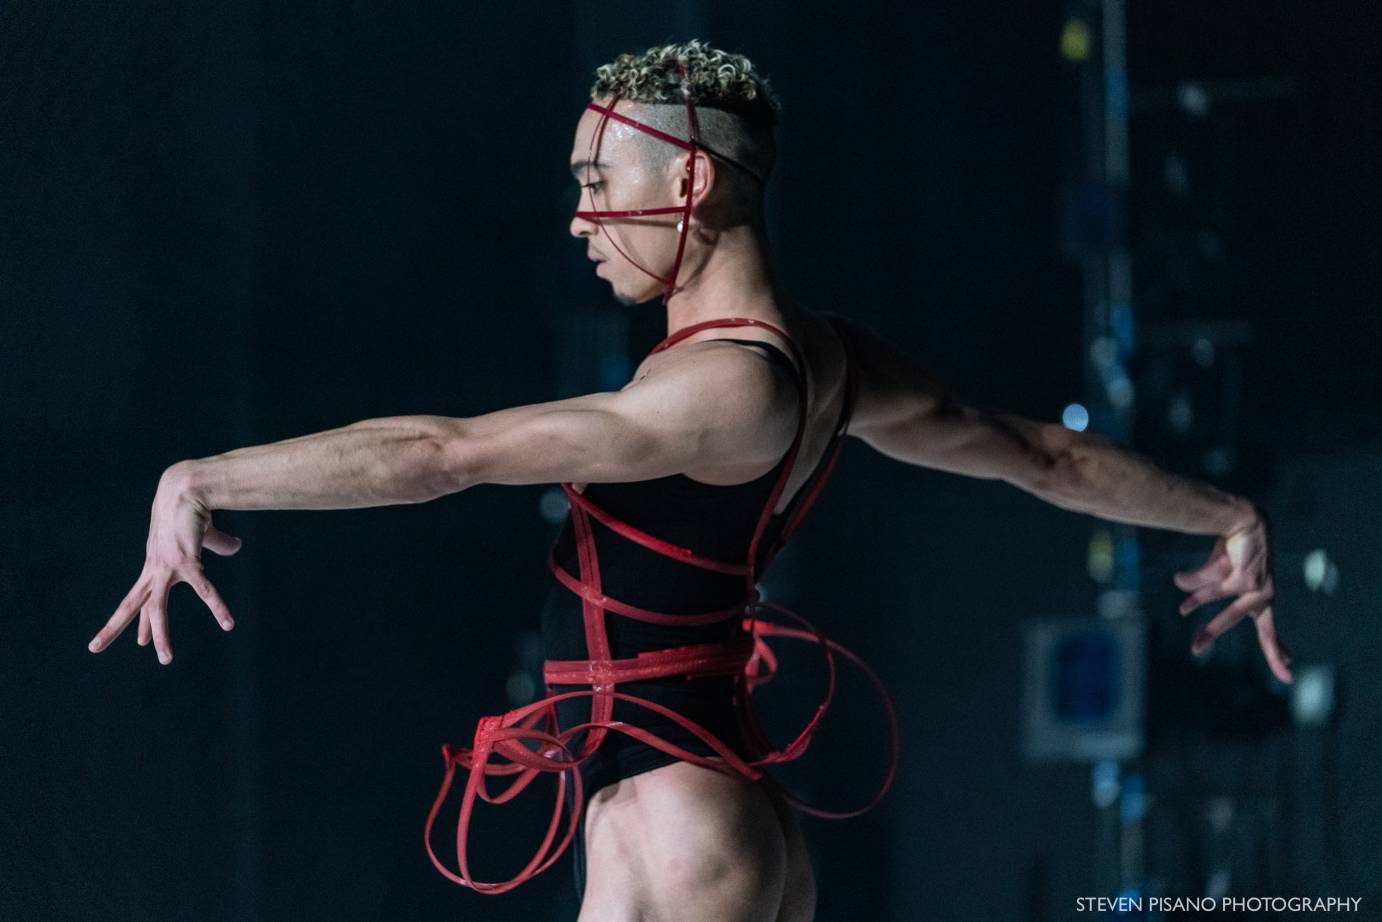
1244, 514
183, 481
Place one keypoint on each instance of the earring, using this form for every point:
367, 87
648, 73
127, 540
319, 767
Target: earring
679, 220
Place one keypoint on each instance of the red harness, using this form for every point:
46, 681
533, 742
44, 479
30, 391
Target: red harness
746, 656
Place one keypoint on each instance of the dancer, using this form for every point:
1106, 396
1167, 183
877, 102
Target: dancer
683, 486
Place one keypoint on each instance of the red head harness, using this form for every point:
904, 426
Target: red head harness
693, 144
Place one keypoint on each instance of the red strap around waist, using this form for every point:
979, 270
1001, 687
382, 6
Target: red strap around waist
638, 536
692, 661
595, 596
746, 656
504, 735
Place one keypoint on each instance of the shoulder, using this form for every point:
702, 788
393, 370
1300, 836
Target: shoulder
729, 384
697, 405
739, 406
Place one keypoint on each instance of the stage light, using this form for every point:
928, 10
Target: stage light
1312, 695
1134, 803
1099, 557
1315, 563
1075, 417
1193, 97
1321, 573
1104, 783
553, 505
1075, 40
1120, 392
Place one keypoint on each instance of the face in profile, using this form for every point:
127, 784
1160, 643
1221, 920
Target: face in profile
613, 166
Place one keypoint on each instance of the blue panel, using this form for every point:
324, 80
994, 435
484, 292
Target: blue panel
1085, 683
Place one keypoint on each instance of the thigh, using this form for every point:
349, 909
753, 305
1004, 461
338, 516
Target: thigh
613, 882
685, 842
799, 890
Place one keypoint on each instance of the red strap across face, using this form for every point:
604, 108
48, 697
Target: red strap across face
693, 145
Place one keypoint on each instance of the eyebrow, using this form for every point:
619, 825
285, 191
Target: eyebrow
579, 167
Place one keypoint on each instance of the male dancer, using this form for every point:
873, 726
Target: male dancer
711, 420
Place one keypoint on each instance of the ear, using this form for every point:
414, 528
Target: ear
705, 176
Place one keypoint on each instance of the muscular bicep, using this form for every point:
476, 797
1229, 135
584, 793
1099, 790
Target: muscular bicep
904, 411
708, 407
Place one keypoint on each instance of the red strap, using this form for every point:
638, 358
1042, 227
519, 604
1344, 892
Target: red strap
692, 660
662, 135
596, 640
806, 498
676, 552
594, 596
746, 655
638, 536
503, 735
692, 144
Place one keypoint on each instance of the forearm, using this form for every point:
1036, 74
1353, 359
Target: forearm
375, 462
1095, 475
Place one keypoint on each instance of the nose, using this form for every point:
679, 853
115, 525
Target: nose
583, 227
580, 227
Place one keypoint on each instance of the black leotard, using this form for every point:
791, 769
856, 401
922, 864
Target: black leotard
718, 521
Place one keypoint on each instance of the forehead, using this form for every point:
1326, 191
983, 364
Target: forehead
611, 144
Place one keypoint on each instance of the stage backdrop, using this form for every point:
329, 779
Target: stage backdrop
229, 224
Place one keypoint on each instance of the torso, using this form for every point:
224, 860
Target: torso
634, 827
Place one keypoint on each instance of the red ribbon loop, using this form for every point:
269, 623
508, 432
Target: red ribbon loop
747, 655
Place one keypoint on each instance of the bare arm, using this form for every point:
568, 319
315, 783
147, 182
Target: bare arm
904, 412
707, 405
375, 462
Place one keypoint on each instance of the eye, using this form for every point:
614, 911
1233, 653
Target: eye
593, 186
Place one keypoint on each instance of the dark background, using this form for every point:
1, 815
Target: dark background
229, 224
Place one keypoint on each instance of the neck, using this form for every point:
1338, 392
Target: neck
735, 280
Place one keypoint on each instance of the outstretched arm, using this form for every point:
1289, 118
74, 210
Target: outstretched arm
904, 412
709, 404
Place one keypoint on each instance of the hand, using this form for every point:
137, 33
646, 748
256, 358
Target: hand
179, 527
1240, 564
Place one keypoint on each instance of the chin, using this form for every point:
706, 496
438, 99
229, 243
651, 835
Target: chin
638, 297
650, 294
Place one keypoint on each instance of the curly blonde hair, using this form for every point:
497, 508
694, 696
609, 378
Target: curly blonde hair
717, 79
736, 108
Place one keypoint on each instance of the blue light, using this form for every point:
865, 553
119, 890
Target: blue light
1075, 416
1105, 783
1133, 806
